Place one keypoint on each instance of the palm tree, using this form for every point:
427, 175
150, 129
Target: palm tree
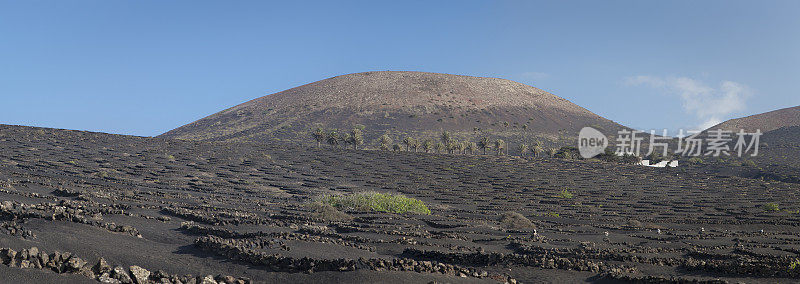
333, 138
446, 137
439, 147
318, 135
522, 149
472, 146
484, 144
347, 139
499, 145
456, 147
537, 150
385, 141
427, 145
408, 141
356, 138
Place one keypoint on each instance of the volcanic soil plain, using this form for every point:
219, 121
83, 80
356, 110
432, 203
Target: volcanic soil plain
83, 207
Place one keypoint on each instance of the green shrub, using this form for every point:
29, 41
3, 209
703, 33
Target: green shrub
770, 207
565, 194
608, 155
629, 158
374, 201
794, 264
695, 161
515, 221
567, 152
655, 157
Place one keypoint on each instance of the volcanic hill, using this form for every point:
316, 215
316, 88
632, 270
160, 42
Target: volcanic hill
400, 103
767, 121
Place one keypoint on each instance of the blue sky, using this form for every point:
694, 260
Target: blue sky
144, 67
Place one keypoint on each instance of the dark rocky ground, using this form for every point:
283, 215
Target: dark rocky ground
239, 213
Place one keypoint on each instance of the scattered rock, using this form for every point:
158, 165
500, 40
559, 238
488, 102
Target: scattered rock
140, 275
75, 263
120, 274
101, 267
208, 279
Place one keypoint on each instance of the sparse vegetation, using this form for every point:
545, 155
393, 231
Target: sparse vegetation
770, 207
268, 185
567, 152
484, 143
427, 145
318, 135
655, 157
328, 213
629, 158
608, 155
515, 221
499, 146
455, 147
537, 149
439, 147
385, 141
356, 137
333, 138
409, 142
374, 201
446, 138
346, 139
795, 264
523, 148
472, 147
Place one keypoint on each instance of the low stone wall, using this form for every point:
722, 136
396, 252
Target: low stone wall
58, 262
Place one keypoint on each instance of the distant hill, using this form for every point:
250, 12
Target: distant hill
781, 146
767, 121
399, 104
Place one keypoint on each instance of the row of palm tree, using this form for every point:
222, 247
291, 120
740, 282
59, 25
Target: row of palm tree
446, 143
332, 137
429, 146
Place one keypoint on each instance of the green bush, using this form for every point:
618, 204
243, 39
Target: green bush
794, 264
608, 155
770, 207
374, 201
567, 152
565, 194
695, 161
629, 159
655, 157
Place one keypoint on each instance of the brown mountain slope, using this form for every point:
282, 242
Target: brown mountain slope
767, 121
400, 104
